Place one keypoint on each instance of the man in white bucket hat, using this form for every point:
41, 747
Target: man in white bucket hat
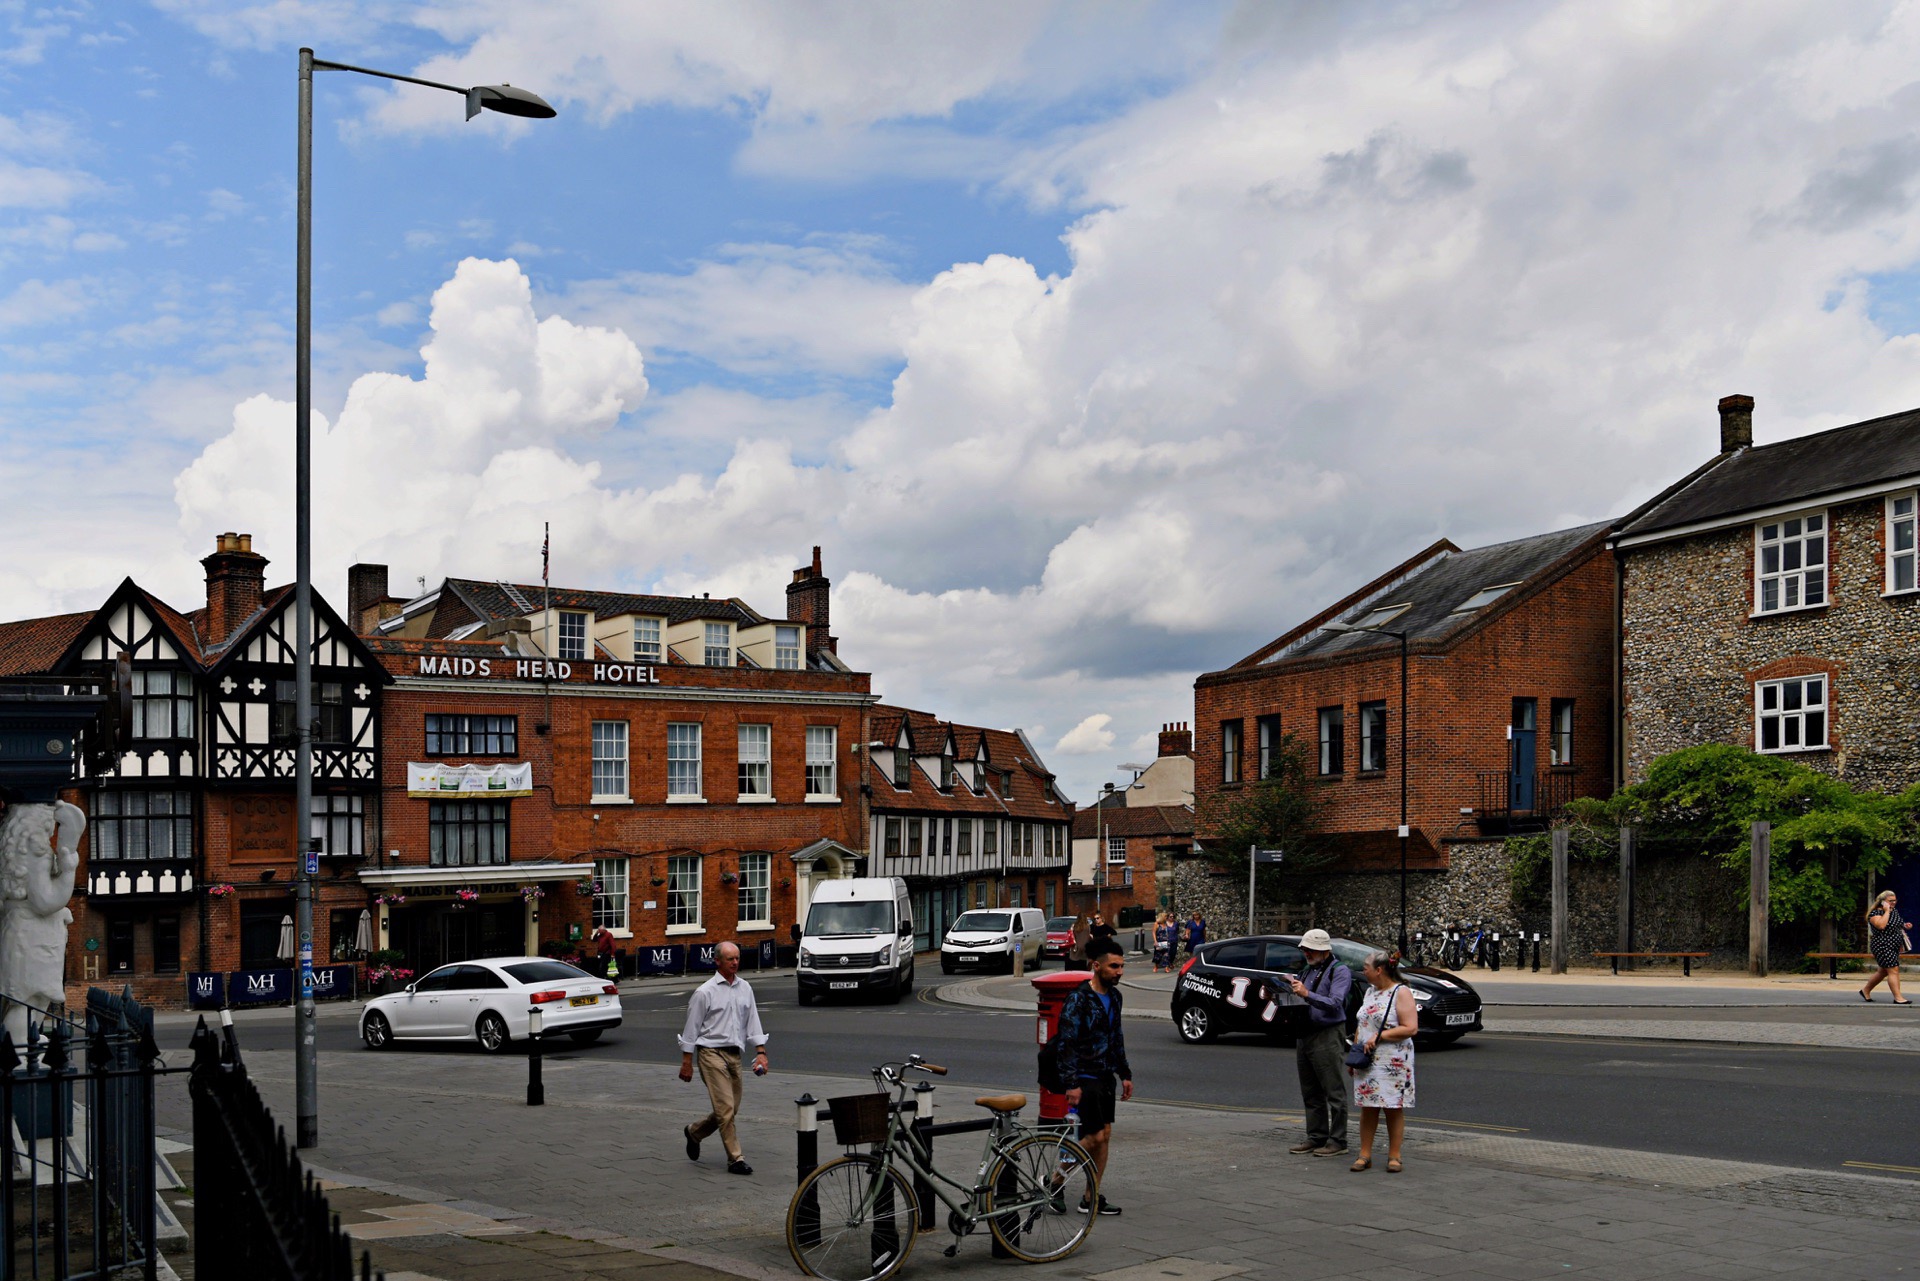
1321, 1050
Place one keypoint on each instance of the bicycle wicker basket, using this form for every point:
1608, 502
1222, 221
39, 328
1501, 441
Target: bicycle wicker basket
859, 1118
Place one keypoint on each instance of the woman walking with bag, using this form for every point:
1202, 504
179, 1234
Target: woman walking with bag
1887, 938
1381, 1059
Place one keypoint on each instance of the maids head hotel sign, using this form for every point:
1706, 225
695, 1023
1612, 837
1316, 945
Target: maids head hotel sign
537, 669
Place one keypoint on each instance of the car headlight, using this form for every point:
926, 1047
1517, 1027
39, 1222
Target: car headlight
806, 957
886, 954
1422, 996
996, 941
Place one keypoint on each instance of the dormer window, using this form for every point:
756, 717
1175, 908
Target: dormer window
646, 640
946, 773
902, 762
573, 635
1006, 784
719, 645
786, 648
1048, 785
1790, 563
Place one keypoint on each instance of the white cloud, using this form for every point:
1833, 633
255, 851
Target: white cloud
1089, 738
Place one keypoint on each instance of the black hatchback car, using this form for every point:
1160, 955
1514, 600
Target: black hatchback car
1240, 985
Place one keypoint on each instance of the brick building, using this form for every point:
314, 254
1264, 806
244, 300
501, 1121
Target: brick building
1126, 844
969, 816
1768, 600
1510, 674
695, 759
191, 840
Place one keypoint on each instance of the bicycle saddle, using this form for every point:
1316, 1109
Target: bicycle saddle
1002, 1102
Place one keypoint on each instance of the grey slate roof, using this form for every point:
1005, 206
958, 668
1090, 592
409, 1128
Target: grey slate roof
1438, 588
497, 600
1804, 468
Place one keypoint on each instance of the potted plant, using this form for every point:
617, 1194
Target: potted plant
382, 979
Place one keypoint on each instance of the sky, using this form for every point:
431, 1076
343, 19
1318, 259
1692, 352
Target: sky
1096, 344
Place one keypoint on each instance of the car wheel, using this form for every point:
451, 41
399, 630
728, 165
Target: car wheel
1196, 1023
586, 1036
376, 1031
805, 997
945, 968
491, 1031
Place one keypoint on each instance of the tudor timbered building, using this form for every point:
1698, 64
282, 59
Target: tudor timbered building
191, 845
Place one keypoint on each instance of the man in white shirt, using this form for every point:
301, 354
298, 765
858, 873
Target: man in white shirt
722, 1020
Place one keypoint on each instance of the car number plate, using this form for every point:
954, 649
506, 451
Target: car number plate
840, 986
1456, 1020
578, 1001
966, 958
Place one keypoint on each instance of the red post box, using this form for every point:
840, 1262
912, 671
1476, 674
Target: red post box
1054, 989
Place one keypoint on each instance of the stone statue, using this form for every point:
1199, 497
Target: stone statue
39, 852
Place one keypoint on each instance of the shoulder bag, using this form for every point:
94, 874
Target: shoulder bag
1359, 1054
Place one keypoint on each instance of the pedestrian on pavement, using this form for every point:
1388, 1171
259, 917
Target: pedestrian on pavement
1092, 1050
1388, 1022
1078, 956
1163, 932
1320, 1050
1196, 932
1098, 928
1886, 939
603, 948
722, 1020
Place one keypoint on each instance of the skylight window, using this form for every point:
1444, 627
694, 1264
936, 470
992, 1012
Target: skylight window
1380, 617
1484, 597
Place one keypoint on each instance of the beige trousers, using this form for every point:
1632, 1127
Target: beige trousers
720, 1070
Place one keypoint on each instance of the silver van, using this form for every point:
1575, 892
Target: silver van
989, 938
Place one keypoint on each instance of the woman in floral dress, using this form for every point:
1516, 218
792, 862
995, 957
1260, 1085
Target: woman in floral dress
1388, 1021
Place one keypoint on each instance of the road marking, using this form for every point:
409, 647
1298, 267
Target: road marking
1871, 1165
1473, 1125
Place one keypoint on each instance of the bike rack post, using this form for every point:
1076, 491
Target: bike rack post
923, 1127
536, 1088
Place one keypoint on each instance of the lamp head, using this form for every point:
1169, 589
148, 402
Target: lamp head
508, 101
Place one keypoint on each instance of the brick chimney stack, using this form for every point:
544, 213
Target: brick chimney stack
366, 592
1176, 739
807, 603
1736, 423
236, 580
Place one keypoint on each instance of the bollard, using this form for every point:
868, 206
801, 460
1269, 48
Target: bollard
1019, 962
806, 1143
1493, 954
923, 1126
536, 1088
1419, 948
1536, 951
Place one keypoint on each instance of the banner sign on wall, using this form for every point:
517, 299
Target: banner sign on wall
206, 991
260, 987
661, 960
435, 780
332, 982
700, 958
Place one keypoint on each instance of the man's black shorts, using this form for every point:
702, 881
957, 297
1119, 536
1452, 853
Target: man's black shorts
1096, 1105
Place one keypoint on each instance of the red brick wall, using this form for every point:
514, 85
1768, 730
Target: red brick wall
1557, 644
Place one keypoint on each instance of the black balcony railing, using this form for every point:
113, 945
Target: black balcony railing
1511, 802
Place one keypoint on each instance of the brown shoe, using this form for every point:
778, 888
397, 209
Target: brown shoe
1301, 1149
1331, 1149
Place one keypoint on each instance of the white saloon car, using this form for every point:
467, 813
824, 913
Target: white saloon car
491, 1002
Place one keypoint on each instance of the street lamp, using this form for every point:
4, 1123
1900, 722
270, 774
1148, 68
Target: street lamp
509, 101
1402, 638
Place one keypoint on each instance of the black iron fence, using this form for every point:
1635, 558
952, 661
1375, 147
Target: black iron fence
77, 1164
260, 1214
1513, 803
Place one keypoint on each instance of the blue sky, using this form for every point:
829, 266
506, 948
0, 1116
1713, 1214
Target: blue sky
1097, 343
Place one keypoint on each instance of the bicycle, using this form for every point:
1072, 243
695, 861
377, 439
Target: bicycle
855, 1218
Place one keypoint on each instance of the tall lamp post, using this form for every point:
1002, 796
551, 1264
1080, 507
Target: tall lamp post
1404, 830
512, 102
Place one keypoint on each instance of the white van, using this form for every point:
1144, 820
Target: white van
858, 938
990, 937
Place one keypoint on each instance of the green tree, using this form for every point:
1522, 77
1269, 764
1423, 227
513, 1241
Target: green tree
1281, 811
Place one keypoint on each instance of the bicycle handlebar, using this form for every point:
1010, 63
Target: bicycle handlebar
934, 1068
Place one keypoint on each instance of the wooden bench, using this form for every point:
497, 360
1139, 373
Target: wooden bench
1686, 959
1833, 959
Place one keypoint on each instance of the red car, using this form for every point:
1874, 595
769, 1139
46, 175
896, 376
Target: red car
1059, 940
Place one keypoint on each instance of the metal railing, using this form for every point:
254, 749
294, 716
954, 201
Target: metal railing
1506, 808
262, 1214
77, 1161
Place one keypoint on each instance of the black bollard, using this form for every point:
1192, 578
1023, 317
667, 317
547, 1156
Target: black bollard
923, 1125
806, 1143
536, 1088
1536, 951
1493, 953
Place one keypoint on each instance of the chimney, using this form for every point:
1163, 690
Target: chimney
1736, 423
236, 578
807, 603
366, 590
1176, 739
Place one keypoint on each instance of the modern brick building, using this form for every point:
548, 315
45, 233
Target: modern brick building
1509, 672
696, 760
1125, 845
968, 816
1769, 600
192, 840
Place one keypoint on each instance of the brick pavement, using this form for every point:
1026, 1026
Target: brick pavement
1208, 1192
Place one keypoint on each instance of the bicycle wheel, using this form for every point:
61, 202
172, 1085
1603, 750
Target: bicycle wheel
1046, 1179
836, 1230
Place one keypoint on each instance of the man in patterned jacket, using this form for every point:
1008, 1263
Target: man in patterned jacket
1092, 1049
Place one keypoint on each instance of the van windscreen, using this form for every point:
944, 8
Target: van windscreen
873, 916
981, 921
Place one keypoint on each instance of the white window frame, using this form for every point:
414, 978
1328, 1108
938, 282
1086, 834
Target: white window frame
756, 878
609, 772
823, 753
724, 649
1903, 526
755, 760
686, 733
1116, 848
562, 640
1373, 746
684, 873
1791, 582
610, 904
648, 646
787, 648
1770, 699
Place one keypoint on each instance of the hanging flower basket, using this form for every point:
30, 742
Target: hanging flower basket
463, 898
219, 891
531, 893
389, 900
729, 878
586, 887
